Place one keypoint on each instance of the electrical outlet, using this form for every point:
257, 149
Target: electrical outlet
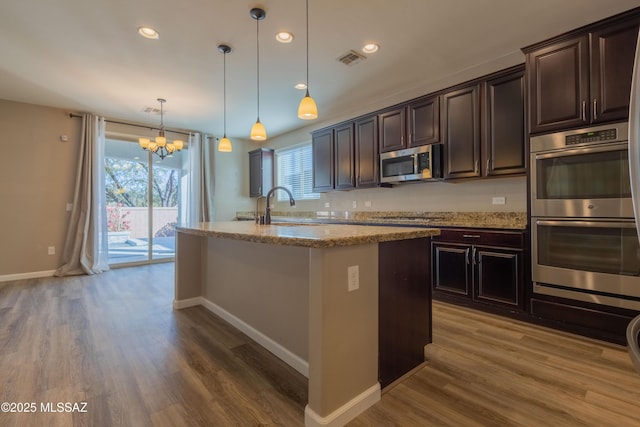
498, 200
51, 250
354, 204
353, 273
327, 205
69, 207
367, 203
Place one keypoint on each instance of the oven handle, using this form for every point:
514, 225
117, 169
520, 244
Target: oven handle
586, 150
591, 224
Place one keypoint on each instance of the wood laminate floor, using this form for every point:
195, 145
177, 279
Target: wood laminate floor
114, 342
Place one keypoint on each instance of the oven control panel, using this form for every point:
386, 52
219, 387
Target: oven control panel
594, 136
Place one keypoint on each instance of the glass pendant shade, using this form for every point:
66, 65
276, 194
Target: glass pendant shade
161, 141
178, 144
258, 132
307, 110
225, 145
144, 142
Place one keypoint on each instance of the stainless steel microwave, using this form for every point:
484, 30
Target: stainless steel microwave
412, 164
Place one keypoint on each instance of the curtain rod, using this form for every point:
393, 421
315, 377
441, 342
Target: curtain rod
135, 125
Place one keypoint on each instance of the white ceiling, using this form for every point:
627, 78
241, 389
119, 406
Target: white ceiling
87, 56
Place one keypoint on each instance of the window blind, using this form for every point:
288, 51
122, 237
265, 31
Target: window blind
294, 170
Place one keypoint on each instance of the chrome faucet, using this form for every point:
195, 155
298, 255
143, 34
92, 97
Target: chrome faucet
259, 218
267, 211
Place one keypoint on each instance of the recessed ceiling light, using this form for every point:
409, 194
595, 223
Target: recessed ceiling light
301, 86
370, 48
148, 32
284, 37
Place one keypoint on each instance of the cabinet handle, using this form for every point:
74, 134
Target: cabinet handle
475, 167
595, 109
584, 110
488, 166
473, 255
466, 256
471, 236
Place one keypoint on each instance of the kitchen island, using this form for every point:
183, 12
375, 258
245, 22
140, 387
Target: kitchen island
315, 296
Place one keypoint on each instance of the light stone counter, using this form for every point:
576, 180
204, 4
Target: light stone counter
307, 235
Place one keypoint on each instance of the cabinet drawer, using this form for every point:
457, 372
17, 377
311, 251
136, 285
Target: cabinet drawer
509, 239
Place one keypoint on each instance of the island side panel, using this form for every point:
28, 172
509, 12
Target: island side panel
188, 269
263, 285
405, 306
343, 332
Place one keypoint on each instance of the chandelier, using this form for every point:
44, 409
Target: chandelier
159, 146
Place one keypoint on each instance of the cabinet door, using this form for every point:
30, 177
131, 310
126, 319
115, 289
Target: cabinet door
367, 166
424, 122
452, 268
260, 172
504, 147
498, 276
462, 132
392, 130
344, 154
559, 85
322, 145
612, 54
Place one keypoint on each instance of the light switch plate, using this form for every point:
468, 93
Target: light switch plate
353, 273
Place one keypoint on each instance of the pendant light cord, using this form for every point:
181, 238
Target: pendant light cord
258, 61
307, 47
224, 91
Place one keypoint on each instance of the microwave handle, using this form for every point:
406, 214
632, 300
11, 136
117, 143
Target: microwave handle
585, 150
590, 224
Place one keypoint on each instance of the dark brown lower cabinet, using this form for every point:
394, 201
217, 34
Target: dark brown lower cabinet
480, 266
404, 306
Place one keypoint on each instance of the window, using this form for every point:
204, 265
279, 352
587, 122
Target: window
294, 170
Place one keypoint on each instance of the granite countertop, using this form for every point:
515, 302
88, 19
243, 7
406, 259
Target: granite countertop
306, 235
492, 220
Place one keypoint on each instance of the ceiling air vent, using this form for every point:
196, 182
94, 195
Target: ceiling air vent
151, 110
351, 58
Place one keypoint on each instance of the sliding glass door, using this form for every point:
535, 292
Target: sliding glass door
143, 196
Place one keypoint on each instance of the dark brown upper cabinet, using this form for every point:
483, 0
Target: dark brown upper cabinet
344, 157
461, 124
333, 158
323, 164
503, 149
366, 147
424, 121
582, 77
411, 125
392, 126
260, 172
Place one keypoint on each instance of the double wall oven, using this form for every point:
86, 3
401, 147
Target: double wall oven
584, 238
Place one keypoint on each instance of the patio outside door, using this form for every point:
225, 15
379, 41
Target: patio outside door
143, 196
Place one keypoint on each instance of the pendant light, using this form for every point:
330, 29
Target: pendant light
258, 132
307, 110
225, 145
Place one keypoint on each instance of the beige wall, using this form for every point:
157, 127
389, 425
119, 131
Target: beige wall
37, 172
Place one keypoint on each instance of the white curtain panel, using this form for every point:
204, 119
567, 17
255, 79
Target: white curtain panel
85, 248
199, 206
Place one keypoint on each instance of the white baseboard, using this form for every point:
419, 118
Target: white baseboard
186, 303
297, 363
346, 412
22, 276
